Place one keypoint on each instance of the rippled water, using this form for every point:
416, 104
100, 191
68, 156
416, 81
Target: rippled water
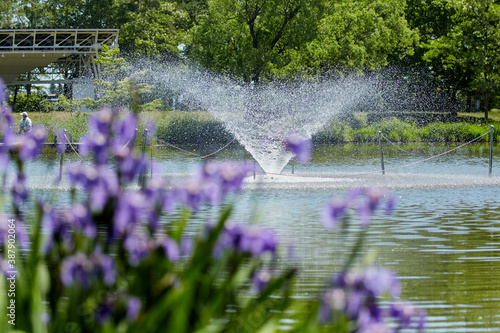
443, 239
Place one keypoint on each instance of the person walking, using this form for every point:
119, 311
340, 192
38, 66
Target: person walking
24, 124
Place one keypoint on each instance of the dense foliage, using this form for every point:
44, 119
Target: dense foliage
452, 43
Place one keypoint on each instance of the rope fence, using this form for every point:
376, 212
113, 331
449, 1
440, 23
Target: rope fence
74, 148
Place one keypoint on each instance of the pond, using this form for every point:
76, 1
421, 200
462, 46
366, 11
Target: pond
443, 238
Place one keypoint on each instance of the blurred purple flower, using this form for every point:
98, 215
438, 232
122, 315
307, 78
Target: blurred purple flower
261, 279
104, 267
124, 133
131, 207
333, 212
138, 246
57, 229
133, 308
80, 217
300, 147
356, 295
19, 189
97, 144
246, 239
103, 313
6, 268
211, 183
32, 143
100, 123
131, 167
187, 245
20, 231
101, 183
169, 247
61, 141
82, 269
76, 268
407, 315
366, 201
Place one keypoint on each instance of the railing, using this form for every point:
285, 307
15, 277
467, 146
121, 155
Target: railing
57, 40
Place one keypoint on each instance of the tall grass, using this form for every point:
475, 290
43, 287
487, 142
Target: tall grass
201, 128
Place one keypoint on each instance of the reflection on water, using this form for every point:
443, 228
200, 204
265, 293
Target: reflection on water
443, 240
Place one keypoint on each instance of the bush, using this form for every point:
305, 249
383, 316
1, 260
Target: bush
32, 103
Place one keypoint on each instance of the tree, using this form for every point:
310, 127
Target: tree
468, 51
250, 38
116, 88
10, 11
152, 28
359, 35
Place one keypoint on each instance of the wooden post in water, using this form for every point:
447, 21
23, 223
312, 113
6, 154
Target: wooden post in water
254, 169
142, 178
61, 163
152, 158
293, 166
381, 152
491, 150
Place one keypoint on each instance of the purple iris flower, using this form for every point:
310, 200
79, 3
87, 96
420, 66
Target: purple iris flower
7, 136
138, 246
190, 195
32, 143
131, 207
187, 245
131, 167
300, 147
246, 239
124, 132
170, 248
76, 268
97, 144
21, 234
133, 308
82, 269
407, 315
79, 216
61, 141
261, 279
104, 267
56, 228
101, 122
211, 183
333, 212
365, 200
100, 182
356, 295
20, 189
103, 313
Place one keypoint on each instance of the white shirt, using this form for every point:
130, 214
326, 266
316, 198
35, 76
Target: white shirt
24, 125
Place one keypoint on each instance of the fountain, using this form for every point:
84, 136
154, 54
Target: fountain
262, 116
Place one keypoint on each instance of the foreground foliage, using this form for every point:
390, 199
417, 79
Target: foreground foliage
111, 262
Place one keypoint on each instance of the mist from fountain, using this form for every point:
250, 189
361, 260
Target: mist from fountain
261, 116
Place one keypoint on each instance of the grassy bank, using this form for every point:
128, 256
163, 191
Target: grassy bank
201, 128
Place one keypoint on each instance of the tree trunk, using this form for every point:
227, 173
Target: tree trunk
486, 105
468, 105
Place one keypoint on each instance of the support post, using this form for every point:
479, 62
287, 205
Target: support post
152, 158
293, 166
381, 152
142, 178
254, 169
491, 150
61, 162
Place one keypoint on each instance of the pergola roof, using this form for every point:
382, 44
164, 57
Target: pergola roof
22, 50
